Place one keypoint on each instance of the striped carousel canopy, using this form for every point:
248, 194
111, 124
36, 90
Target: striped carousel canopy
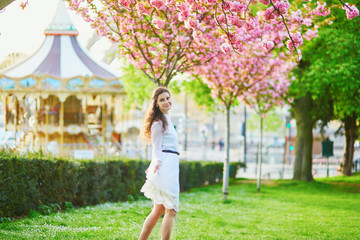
60, 58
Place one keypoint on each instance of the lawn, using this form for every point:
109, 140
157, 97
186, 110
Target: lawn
324, 209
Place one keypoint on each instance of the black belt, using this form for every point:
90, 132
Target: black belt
171, 151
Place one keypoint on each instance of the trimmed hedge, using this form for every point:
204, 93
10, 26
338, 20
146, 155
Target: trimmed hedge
27, 183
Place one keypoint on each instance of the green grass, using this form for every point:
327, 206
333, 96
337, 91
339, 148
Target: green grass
355, 178
282, 210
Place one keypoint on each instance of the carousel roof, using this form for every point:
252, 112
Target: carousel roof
59, 58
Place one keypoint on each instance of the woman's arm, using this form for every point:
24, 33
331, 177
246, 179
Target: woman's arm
156, 142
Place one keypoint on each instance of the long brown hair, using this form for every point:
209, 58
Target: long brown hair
153, 114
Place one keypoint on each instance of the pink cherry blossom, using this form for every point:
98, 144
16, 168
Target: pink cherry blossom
282, 6
351, 13
297, 38
307, 22
265, 2
225, 47
159, 4
321, 10
237, 7
271, 13
290, 45
159, 23
190, 23
311, 34
269, 45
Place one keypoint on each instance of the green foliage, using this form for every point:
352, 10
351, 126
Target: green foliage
68, 205
5, 219
137, 86
234, 167
47, 209
274, 122
33, 214
48, 185
330, 69
201, 93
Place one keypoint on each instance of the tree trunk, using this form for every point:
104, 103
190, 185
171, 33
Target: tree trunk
245, 138
185, 122
227, 154
304, 138
260, 154
350, 137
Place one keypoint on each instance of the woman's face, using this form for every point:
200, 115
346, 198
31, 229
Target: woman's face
164, 102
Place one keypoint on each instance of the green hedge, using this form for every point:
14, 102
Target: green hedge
27, 183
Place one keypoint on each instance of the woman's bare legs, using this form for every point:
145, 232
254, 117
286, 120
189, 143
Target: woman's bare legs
151, 220
167, 224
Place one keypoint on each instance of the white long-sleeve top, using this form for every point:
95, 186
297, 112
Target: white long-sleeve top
163, 141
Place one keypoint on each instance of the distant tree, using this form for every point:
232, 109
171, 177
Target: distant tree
327, 86
263, 96
233, 77
342, 70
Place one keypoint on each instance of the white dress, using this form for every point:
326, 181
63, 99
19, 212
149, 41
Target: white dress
163, 185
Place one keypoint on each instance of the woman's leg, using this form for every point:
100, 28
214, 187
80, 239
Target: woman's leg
151, 220
167, 224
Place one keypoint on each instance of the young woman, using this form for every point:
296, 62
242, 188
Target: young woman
162, 176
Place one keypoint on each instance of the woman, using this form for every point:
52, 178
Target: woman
162, 176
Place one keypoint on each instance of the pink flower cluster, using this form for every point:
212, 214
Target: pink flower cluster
296, 39
265, 2
235, 21
309, 34
351, 11
226, 48
159, 23
282, 6
271, 13
269, 45
237, 7
158, 4
321, 10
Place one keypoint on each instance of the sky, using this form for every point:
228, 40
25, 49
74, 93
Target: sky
22, 30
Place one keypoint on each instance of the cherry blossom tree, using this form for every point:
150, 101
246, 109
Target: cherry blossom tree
165, 37
233, 78
162, 38
264, 95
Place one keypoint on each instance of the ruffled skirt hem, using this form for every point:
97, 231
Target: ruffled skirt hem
160, 197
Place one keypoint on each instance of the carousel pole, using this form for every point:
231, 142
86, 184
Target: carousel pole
86, 120
47, 107
103, 122
6, 112
37, 139
16, 116
61, 127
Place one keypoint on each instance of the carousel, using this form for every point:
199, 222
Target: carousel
60, 98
